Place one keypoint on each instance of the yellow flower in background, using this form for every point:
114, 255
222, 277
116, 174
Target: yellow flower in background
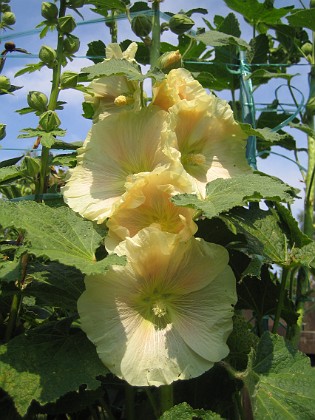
116, 150
211, 143
156, 208
179, 84
166, 315
112, 94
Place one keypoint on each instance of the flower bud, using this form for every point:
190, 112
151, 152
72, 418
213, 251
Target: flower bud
49, 121
66, 24
69, 79
180, 23
4, 83
169, 61
2, 131
71, 44
9, 46
5, 8
8, 18
31, 166
49, 10
141, 25
75, 4
37, 100
307, 48
48, 55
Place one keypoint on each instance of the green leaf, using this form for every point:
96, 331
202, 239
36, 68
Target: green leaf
265, 74
69, 160
304, 18
58, 234
96, 51
54, 284
261, 296
224, 194
184, 411
280, 381
10, 162
62, 145
46, 363
35, 132
263, 233
10, 271
304, 256
219, 39
264, 133
29, 68
112, 67
257, 12
9, 173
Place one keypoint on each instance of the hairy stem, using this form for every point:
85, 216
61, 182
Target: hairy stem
156, 34
166, 398
284, 277
52, 104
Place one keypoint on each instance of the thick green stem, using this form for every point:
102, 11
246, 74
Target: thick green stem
52, 104
16, 301
113, 28
156, 34
166, 398
284, 277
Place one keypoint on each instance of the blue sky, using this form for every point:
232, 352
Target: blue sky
28, 16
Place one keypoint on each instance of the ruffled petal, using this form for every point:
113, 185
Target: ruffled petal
204, 318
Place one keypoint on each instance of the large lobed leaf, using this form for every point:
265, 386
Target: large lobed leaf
224, 194
46, 363
220, 39
280, 381
58, 234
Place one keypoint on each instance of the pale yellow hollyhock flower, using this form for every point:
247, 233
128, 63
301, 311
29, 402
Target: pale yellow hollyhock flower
164, 316
179, 84
157, 210
116, 150
211, 143
114, 93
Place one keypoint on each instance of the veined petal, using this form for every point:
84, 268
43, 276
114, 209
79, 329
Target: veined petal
132, 347
117, 148
181, 268
204, 318
211, 143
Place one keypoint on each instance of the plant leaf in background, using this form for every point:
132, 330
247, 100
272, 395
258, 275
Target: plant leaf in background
46, 363
224, 194
280, 381
58, 234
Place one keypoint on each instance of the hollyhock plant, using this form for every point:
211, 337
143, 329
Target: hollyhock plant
156, 208
179, 84
166, 314
211, 143
112, 94
117, 149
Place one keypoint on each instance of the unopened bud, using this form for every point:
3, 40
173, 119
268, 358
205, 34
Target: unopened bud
71, 44
8, 18
37, 100
180, 23
31, 166
48, 55
4, 83
307, 48
2, 131
169, 61
141, 25
49, 10
68, 79
66, 24
5, 8
49, 121
9, 46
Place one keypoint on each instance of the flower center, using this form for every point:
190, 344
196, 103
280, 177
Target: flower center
195, 159
159, 309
